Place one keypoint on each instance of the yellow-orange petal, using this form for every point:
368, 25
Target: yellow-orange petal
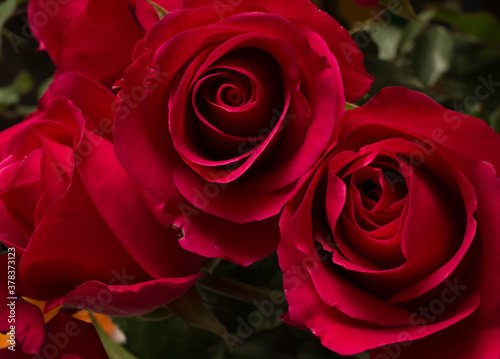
106, 324
3, 341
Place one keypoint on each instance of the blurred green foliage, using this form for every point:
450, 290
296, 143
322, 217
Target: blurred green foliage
24, 72
172, 338
7, 8
446, 53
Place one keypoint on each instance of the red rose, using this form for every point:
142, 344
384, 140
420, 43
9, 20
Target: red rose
94, 37
392, 243
225, 109
78, 222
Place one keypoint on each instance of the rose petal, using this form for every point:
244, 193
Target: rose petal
113, 23
55, 260
48, 20
125, 300
125, 212
254, 239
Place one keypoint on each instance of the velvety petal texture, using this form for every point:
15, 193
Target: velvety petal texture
228, 127
390, 243
78, 222
93, 37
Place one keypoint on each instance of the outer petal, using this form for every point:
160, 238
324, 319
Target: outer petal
10, 233
147, 15
462, 340
7, 134
96, 102
113, 23
416, 114
348, 336
125, 300
239, 243
487, 185
48, 21
62, 251
125, 212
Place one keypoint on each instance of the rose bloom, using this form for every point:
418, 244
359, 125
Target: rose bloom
77, 220
224, 110
393, 242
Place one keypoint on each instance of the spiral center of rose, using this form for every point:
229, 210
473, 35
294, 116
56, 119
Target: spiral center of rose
379, 186
237, 101
372, 191
230, 96
227, 89
366, 230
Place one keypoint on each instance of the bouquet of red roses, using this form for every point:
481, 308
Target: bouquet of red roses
197, 172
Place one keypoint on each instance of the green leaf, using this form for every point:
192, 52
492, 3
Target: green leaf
412, 30
24, 110
113, 349
170, 338
7, 8
483, 25
472, 56
211, 264
433, 55
160, 11
401, 8
11, 94
387, 38
391, 74
191, 309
